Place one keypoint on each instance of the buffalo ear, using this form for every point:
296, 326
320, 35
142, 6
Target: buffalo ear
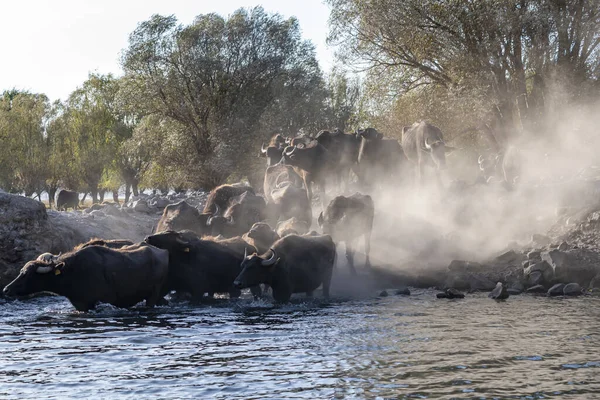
320, 219
58, 268
449, 149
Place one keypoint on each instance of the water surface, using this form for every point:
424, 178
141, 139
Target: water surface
393, 347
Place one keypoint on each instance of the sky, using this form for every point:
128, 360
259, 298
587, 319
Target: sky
51, 46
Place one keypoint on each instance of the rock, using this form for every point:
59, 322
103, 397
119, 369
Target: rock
556, 290
526, 263
534, 255
595, 282
516, 286
112, 210
572, 289
97, 214
441, 295
499, 292
404, 291
452, 293
541, 240
507, 257
162, 203
540, 273
514, 292
383, 294
563, 246
536, 289
571, 266
25, 233
141, 206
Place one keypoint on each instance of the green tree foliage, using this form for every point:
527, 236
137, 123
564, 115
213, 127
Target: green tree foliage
503, 60
219, 80
24, 151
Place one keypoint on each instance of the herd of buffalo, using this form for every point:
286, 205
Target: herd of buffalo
242, 239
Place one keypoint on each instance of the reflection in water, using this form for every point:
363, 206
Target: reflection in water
395, 347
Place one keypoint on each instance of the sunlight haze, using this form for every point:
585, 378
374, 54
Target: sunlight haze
50, 47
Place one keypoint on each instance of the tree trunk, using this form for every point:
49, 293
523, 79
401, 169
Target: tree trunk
101, 194
127, 192
94, 193
134, 186
116, 196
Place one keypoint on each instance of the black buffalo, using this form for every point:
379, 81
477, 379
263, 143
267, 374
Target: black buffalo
292, 226
121, 277
111, 243
66, 199
343, 152
274, 150
295, 264
424, 145
182, 216
380, 159
348, 218
243, 211
220, 197
313, 160
198, 266
261, 236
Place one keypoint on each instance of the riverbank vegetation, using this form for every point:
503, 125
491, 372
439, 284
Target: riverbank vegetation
194, 103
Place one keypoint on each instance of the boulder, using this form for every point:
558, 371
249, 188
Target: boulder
403, 291
25, 233
514, 292
556, 290
572, 289
141, 206
536, 289
97, 214
112, 210
534, 255
563, 246
571, 266
499, 292
384, 293
451, 293
540, 273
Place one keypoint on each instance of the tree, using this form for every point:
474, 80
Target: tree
509, 54
23, 154
216, 79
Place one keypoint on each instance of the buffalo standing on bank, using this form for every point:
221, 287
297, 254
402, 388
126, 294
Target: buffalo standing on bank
67, 199
348, 218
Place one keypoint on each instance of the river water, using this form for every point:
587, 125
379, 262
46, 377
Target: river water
393, 347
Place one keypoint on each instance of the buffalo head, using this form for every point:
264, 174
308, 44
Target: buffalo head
256, 269
36, 276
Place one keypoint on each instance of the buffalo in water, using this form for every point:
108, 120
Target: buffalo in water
66, 199
121, 277
294, 264
198, 266
379, 159
348, 218
424, 145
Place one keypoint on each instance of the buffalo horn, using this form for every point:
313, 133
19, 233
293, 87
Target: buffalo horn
44, 269
480, 159
288, 151
245, 252
270, 261
217, 209
181, 241
262, 149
